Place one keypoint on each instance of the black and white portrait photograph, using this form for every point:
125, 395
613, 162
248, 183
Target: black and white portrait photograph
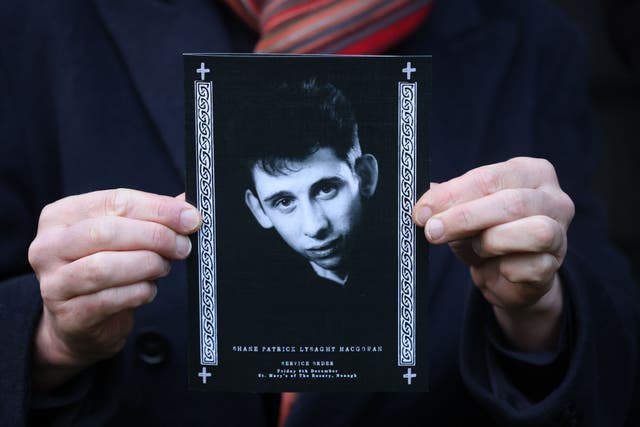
305, 171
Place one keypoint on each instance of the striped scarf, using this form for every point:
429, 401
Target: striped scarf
331, 26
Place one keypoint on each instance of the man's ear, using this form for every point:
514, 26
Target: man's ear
255, 207
366, 168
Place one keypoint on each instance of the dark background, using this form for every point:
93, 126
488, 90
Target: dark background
612, 29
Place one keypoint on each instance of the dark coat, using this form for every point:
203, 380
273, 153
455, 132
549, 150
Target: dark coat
91, 98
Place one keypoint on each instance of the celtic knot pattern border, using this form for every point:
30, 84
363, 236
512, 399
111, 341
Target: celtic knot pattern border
407, 154
207, 235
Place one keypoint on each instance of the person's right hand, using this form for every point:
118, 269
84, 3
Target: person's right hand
96, 257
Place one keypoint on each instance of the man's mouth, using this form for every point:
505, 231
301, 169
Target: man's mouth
326, 250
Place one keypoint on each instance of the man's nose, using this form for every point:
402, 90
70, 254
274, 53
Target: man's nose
314, 221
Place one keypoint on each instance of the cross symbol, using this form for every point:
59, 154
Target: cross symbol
409, 376
204, 374
408, 70
202, 71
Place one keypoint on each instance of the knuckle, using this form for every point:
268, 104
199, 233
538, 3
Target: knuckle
567, 206
509, 273
440, 197
102, 232
148, 262
447, 197
547, 265
117, 202
544, 233
161, 210
57, 286
160, 237
488, 180
546, 167
540, 166
47, 290
515, 204
47, 211
97, 270
69, 316
530, 270
155, 266
58, 211
518, 161
466, 219
41, 252
36, 253
543, 267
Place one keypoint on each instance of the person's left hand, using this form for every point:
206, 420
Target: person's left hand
508, 222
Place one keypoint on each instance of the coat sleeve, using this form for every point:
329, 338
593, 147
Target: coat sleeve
600, 381
28, 181
20, 303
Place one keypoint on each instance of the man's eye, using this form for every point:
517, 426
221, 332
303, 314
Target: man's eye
284, 204
327, 191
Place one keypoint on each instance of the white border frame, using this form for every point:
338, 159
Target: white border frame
203, 96
407, 156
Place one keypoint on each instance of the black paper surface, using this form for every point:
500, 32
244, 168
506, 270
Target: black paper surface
263, 314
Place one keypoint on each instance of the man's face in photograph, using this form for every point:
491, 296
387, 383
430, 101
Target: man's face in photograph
315, 205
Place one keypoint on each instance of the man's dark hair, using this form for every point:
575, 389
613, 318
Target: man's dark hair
291, 122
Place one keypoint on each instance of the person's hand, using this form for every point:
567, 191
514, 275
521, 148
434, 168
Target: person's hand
508, 222
96, 257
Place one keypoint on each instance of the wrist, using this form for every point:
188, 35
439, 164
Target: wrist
53, 362
534, 328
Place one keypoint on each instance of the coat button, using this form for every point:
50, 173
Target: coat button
152, 348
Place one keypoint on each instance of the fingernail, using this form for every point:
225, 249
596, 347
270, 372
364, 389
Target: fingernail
183, 245
189, 219
423, 215
435, 229
154, 292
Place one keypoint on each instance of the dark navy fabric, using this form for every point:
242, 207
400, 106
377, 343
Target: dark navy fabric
91, 98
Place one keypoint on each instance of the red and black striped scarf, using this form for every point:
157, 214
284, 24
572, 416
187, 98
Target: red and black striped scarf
331, 26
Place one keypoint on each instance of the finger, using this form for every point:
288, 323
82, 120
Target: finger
117, 234
92, 309
181, 197
520, 172
103, 270
532, 234
469, 218
174, 213
535, 270
500, 291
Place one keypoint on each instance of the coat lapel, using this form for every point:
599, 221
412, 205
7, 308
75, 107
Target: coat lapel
151, 36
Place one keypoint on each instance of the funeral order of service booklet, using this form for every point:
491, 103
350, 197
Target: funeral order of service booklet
308, 273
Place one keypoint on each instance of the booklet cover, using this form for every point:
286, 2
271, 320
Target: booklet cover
308, 273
